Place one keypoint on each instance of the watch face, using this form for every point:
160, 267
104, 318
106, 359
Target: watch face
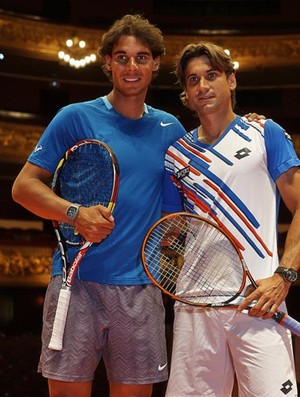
72, 211
291, 275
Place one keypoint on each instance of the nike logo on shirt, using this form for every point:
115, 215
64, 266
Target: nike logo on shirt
165, 124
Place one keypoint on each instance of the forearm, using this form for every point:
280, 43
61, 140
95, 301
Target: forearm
34, 194
291, 253
31, 190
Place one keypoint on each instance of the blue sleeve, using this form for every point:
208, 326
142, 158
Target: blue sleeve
58, 137
172, 199
281, 154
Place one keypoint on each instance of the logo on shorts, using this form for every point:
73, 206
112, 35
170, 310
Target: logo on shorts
287, 387
161, 367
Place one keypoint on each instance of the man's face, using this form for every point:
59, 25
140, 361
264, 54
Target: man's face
132, 66
207, 90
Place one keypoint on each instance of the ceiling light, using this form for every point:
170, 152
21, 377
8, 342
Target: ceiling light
236, 64
75, 53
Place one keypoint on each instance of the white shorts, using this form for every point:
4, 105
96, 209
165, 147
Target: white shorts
210, 346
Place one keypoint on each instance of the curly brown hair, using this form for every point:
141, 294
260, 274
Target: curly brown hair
132, 25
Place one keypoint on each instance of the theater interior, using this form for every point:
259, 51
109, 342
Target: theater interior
263, 36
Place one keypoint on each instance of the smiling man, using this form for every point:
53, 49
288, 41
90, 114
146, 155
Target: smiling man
115, 312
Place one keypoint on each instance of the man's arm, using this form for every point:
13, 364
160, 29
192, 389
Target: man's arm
31, 189
289, 188
272, 291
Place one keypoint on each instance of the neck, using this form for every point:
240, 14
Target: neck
131, 107
212, 128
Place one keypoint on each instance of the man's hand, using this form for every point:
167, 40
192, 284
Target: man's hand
94, 223
270, 293
255, 117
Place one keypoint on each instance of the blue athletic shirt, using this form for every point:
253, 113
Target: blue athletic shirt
140, 146
233, 182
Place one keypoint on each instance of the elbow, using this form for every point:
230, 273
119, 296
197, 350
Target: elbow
16, 192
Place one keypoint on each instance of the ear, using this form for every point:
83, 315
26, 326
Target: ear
232, 82
156, 63
108, 62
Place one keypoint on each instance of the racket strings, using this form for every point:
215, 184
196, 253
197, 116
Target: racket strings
208, 270
194, 261
88, 177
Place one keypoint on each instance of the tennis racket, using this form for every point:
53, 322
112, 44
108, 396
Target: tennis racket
88, 174
195, 262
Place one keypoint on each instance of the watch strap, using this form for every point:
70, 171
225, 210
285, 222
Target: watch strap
288, 274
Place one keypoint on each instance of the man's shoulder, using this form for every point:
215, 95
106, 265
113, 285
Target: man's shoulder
162, 114
258, 125
81, 105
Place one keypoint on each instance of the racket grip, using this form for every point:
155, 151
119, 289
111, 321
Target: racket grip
56, 340
287, 322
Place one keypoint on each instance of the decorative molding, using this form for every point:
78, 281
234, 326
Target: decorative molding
25, 265
43, 40
252, 52
18, 140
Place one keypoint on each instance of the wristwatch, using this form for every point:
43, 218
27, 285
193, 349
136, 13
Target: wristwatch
288, 274
72, 212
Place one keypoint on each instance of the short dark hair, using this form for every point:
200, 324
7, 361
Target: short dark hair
218, 58
132, 25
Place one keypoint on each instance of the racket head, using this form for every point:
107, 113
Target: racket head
192, 260
88, 174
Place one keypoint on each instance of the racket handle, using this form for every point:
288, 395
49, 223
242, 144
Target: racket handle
56, 340
287, 322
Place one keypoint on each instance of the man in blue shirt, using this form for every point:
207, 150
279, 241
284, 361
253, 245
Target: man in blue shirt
115, 313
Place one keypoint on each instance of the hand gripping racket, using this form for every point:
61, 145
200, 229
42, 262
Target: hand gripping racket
195, 262
88, 175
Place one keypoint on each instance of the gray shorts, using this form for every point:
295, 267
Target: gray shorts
124, 325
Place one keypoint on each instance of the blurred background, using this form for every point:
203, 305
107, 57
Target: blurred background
37, 40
